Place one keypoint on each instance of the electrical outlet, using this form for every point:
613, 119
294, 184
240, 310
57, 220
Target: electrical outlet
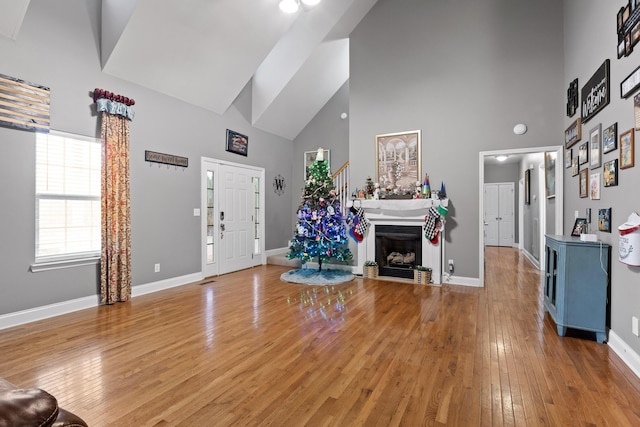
634, 325
156, 268
450, 266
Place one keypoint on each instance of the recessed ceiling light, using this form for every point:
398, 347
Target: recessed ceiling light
289, 6
501, 158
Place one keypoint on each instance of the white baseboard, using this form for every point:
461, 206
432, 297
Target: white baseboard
459, 280
18, 318
278, 251
160, 285
626, 353
531, 258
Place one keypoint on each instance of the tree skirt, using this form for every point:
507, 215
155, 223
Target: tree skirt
310, 276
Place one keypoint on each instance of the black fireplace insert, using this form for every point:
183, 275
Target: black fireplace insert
398, 249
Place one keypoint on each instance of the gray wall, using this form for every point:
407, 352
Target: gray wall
587, 44
465, 72
327, 130
59, 47
509, 172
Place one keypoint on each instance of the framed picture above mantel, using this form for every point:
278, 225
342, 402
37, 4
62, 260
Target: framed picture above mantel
398, 159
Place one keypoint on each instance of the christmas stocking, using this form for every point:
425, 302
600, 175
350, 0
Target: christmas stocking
362, 226
353, 220
430, 222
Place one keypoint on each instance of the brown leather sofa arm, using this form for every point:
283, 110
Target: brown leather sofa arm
32, 407
27, 407
67, 419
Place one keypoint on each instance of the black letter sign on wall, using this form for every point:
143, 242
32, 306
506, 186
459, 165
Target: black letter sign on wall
595, 94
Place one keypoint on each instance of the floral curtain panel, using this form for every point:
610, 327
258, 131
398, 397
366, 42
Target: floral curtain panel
115, 262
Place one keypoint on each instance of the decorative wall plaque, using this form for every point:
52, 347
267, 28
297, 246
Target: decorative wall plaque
166, 159
279, 185
595, 94
572, 98
573, 133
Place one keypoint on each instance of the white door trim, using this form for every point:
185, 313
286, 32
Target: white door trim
559, 202
259, 258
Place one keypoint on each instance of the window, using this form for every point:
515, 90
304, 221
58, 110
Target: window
67, 197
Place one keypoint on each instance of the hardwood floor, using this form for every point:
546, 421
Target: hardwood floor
248, 349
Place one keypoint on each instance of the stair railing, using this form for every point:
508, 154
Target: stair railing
341, 183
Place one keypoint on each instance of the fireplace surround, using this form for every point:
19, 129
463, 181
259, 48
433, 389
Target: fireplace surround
404, 217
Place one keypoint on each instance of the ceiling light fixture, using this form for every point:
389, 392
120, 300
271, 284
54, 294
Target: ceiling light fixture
501, 158
292, 6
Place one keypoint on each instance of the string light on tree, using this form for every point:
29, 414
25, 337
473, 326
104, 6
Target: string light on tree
321, 233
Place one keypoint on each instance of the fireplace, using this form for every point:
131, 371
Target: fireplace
406, 221
398, 249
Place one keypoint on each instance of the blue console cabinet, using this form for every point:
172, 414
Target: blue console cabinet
576, 284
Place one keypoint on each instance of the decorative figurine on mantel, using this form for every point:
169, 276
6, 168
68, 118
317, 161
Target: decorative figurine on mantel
418, 192
426, 189
376, 191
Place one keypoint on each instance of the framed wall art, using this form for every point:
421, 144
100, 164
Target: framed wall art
237, 143
627, 149
527, 187
579, 227
583, 186
572, 98
630, 84
610, 173
575, 167
595, 93
595, 147
568, 155
550, 174
398, 157
604, 220
610, 138
594, 186
310, 157
573, 133
583, 153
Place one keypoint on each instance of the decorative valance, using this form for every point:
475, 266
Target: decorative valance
113, 103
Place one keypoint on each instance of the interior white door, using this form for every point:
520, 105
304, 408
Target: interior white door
491, 214
505, 210
236, 225
499, 202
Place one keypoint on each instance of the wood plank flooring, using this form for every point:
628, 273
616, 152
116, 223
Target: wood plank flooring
248, 349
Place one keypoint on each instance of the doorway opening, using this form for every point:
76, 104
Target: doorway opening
557, 207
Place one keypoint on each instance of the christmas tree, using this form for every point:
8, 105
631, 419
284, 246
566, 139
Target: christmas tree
321, 232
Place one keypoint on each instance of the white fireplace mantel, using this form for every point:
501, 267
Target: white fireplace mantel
401, 212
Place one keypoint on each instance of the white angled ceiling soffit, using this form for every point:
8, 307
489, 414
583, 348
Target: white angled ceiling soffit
12, 14
205, 52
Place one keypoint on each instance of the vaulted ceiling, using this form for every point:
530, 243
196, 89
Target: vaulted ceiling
205, 52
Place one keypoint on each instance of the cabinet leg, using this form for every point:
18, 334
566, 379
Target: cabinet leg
562, 330
600, 337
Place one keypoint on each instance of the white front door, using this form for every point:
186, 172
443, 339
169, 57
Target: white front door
232, 217
236, 218
498, 214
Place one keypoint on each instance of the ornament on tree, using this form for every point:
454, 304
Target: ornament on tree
324, 235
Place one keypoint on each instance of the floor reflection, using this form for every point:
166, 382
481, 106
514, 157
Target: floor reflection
322, 304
